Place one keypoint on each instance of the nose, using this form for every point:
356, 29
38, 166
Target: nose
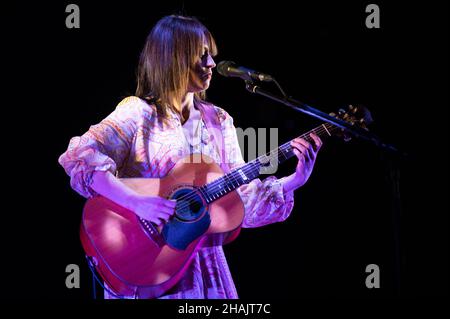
210, 62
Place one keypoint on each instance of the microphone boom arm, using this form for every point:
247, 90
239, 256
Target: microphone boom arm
304, 108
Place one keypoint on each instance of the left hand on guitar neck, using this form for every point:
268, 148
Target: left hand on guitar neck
306, 154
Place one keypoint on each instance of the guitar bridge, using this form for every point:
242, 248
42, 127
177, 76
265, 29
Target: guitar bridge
151, 231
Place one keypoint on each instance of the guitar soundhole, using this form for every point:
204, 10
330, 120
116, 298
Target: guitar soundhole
190, 205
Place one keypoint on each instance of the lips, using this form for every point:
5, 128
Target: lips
207, 76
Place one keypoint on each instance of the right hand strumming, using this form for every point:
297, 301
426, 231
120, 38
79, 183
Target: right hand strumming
155, 209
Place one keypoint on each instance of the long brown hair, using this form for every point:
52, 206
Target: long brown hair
170, 52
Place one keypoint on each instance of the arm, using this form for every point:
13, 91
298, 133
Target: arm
104, 147
306, 154
106, 184
152, 208
92, 159
289, 183
265, 201
270, 200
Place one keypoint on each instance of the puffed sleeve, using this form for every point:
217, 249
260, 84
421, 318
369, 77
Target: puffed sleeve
265, 201
104, 147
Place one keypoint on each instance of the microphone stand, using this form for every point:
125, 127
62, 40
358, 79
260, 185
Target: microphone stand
392, 170
304, 108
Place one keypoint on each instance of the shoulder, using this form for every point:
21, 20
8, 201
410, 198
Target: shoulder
134, 102
134, 107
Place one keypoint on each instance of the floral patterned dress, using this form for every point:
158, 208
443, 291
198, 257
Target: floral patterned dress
133, 142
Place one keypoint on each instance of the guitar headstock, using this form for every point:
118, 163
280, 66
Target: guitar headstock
355, 115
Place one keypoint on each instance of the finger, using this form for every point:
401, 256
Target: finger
307, 144
156, 221
311, 149
166, 211
169, 203
302, 148
164, 217
300, 156
317, 142
297, 153
174, 202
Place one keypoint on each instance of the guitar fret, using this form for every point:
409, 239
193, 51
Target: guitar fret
325, 127
252, 170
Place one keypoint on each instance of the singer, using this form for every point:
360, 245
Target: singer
167, 118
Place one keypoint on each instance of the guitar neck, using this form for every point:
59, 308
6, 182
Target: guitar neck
264, 163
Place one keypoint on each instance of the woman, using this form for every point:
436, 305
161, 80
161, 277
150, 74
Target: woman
146, 133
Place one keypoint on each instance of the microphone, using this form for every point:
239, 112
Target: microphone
230, 69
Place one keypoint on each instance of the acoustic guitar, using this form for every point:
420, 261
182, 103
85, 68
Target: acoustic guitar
136, 258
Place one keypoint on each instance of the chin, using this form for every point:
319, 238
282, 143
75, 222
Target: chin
200, 87
204, 87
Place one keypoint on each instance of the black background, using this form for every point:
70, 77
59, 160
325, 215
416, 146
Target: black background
59, 81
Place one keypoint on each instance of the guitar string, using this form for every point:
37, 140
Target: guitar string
280, 151
214, 186
208, 190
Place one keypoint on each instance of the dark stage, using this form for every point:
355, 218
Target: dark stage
361, 205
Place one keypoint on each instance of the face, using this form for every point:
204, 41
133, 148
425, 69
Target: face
201, 74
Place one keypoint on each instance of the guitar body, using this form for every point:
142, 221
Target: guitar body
137, 259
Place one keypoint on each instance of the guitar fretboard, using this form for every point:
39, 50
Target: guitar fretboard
264, 163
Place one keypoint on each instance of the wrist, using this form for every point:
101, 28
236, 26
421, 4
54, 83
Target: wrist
291, 183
